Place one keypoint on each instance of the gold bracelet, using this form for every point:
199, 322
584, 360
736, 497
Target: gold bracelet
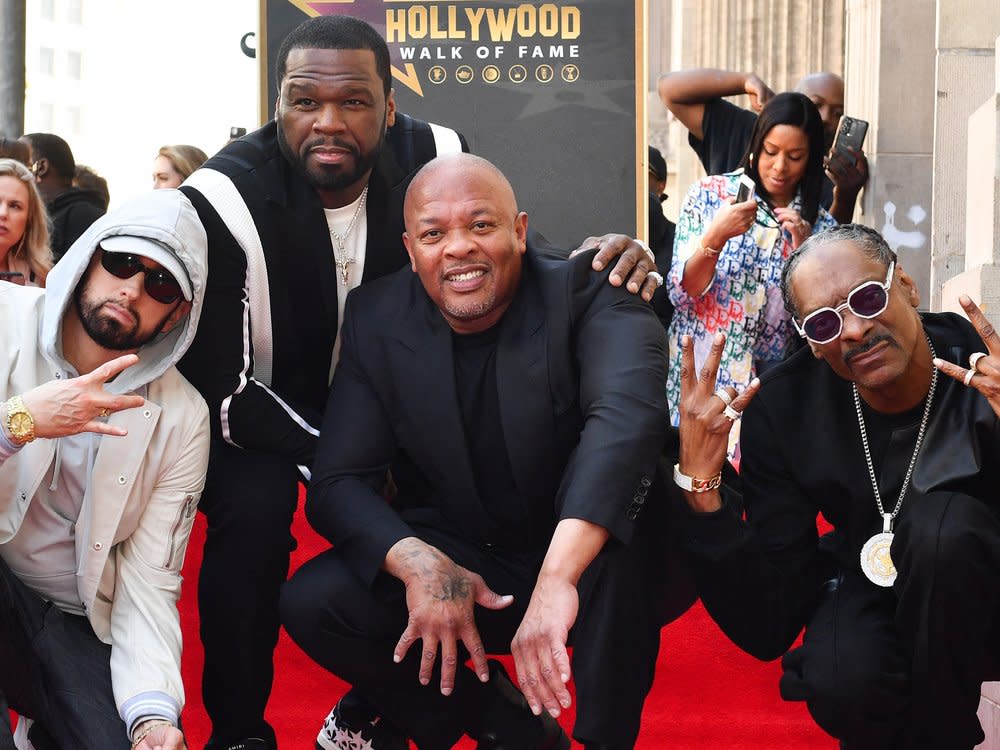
710, 251
695, 484
146, 732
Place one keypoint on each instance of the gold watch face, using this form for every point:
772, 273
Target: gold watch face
21, 425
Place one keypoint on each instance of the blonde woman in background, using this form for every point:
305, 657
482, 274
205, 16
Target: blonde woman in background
173, 164
25, 256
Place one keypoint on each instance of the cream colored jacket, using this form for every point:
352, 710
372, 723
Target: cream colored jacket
144, 489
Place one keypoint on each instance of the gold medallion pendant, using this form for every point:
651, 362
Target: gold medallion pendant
876, 563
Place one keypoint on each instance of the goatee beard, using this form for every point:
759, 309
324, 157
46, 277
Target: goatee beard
107, 333
333, 179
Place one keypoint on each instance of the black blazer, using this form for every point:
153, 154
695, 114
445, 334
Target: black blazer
581, 368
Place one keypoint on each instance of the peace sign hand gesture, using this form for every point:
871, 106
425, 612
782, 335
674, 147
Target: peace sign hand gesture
74, 405
706, 418
983, 372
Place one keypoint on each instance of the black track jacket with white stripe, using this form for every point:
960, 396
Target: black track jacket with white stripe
262, 354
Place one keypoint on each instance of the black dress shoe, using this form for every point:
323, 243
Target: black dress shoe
508, 723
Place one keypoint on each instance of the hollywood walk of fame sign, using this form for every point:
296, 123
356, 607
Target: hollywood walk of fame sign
552, 92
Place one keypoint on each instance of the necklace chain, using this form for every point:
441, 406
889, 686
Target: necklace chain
916, 448
342, 261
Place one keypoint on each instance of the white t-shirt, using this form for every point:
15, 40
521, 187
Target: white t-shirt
43, 552
338, 220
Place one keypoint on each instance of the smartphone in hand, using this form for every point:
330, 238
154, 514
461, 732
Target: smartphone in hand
13, 277
850, 134
746, 189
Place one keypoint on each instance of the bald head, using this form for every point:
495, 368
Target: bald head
449, 168
465, 238
826, 90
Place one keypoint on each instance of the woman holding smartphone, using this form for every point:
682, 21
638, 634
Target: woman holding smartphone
728, 255
25, 257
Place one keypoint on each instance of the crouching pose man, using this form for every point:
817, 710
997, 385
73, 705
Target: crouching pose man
520, 405
103, 453
887, 425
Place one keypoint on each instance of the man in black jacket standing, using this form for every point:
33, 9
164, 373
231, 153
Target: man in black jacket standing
297, 214
71, 209
900, 601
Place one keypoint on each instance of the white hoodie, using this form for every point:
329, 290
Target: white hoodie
142, 490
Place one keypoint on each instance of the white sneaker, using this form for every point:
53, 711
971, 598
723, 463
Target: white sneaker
337, 734
21, 741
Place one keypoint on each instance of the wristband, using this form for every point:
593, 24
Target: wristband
694, 484
148, 730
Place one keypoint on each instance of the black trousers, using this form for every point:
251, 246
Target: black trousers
902, 668
351, 628
55, 670
249, 501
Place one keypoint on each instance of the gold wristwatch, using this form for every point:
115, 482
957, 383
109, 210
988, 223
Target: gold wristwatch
20, 425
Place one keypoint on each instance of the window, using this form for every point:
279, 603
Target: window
46, 117
46, 61
74, 64
73, 120
74, 11
49, 10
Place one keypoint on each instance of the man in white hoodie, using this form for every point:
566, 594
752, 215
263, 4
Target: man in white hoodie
103, 453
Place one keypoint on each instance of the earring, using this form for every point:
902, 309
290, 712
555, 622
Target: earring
751, 158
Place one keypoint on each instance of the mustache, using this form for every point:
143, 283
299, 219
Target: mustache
869, 345
332, 143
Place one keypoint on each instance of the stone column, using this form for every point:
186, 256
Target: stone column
12, 31
683, 164
966, 58
980, 277
659, 38
889, 81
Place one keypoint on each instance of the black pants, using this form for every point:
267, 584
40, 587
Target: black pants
902, 668
55, 670
249, 502
351, 629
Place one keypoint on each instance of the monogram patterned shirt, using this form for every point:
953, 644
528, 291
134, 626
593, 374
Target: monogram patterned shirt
743, 299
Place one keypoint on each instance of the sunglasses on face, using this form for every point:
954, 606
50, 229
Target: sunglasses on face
867, 301
158, 284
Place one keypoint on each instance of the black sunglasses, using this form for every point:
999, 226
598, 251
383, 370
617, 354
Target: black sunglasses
867, 300
159, 284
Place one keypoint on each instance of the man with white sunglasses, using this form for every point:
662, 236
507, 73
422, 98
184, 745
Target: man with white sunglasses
886, 425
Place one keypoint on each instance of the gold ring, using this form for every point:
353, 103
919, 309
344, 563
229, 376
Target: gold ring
724, 396
974, 360
105, 412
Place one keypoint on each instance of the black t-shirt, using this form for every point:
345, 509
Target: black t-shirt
727, 129
475, 357
661, 242
902, 430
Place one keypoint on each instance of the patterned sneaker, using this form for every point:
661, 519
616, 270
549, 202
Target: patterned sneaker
376, 734
21, 741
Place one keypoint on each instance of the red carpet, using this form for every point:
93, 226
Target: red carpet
708, 694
